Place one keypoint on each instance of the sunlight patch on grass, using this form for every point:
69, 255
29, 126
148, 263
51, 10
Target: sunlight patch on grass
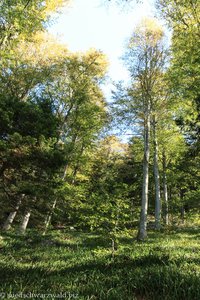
166, 266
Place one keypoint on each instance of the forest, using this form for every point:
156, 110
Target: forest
87, 213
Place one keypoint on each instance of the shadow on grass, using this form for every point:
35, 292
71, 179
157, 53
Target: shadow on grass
152, 274
117, 278
185, 230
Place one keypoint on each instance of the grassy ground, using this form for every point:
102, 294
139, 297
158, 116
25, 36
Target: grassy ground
77, 265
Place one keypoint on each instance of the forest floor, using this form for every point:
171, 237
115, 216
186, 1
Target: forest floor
78, 265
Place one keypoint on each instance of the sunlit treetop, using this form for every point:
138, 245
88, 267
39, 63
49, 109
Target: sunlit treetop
43, 48
147, 32
93, 62
23, 18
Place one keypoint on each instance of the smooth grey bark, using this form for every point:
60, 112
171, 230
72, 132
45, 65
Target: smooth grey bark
50, 213
24, 222
165, 190
182, 214
182, 210
8, 223
49, 216
156, 177
77, 164
142, 232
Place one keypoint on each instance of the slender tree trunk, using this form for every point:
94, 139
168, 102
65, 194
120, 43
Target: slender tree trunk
156, 177
77, 164
171, 216
49, 216
182, 214
165, 190
142, 233
182, 210
8, 223
25, 220
50, 213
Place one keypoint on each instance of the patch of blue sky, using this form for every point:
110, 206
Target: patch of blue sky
90, 24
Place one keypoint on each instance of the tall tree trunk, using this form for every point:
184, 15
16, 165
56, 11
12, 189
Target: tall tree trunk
8, 223
182, 214
182, 209
49, 216
25, 220
156, 177
77, 164
50, 213
142, 232
165, 190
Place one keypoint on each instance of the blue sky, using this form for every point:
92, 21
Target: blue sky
89, 24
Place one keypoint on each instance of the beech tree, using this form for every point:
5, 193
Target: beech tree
80, 105
145, 58
32, 63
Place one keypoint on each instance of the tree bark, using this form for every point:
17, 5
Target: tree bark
49, 217
50, 213
182, 214
156, 177
165, 190
182, 209
142, 232
25, 220
77, 164
8, 223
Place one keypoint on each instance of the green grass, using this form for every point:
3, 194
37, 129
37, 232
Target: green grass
82, 265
